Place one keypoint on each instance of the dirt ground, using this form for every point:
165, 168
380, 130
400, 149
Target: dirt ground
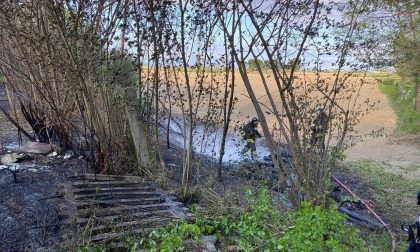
401, 154
29, 209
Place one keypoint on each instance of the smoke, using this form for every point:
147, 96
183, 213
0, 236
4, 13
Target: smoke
207, 141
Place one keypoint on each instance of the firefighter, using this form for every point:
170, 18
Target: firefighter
418, 198
319, 128
249, 134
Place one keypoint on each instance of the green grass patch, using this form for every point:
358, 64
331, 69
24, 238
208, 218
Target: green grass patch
412, 168
394, 197
402, 97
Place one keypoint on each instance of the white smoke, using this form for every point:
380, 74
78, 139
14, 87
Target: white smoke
207, 141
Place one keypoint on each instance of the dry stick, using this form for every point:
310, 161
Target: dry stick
227, 114
12, 105
287, 87
188, 158
157, 34
272, 145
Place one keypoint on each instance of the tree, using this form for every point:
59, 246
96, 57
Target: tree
291, 62
406, 42
252, 64
173, 44
305, 21
54, 55
394, 24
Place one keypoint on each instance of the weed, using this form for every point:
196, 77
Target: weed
412, 168
260, 227
317, 229
402, 97
171, 238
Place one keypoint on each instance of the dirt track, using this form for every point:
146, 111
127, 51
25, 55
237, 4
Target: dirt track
399, 154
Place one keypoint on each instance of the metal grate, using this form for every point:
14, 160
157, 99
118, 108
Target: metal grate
107, 207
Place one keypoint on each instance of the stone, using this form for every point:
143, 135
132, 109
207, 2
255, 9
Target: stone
68, 155
9, 158
53, 154
208, 241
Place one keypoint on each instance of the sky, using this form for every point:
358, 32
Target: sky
309, 56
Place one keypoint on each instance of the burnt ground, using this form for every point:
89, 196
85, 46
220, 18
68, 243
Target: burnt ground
29, 209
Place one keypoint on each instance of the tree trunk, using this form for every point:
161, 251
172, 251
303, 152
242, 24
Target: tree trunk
417, 101
137, 129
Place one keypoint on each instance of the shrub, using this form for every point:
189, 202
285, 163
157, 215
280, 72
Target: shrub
317, 229
171, 238
262, 228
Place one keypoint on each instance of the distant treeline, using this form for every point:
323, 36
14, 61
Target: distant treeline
265, 64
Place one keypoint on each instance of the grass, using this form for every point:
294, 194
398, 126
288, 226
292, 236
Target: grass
402, 97
394, 197
412, 168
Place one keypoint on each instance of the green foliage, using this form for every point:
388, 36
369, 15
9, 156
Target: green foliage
405, 44
317, 229
252, 64
337, 154
264, 64
171, 238
118, 70
402, 97
260, 228
257, 226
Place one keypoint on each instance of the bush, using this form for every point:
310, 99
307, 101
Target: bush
317, 229
171, 238
402, 97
